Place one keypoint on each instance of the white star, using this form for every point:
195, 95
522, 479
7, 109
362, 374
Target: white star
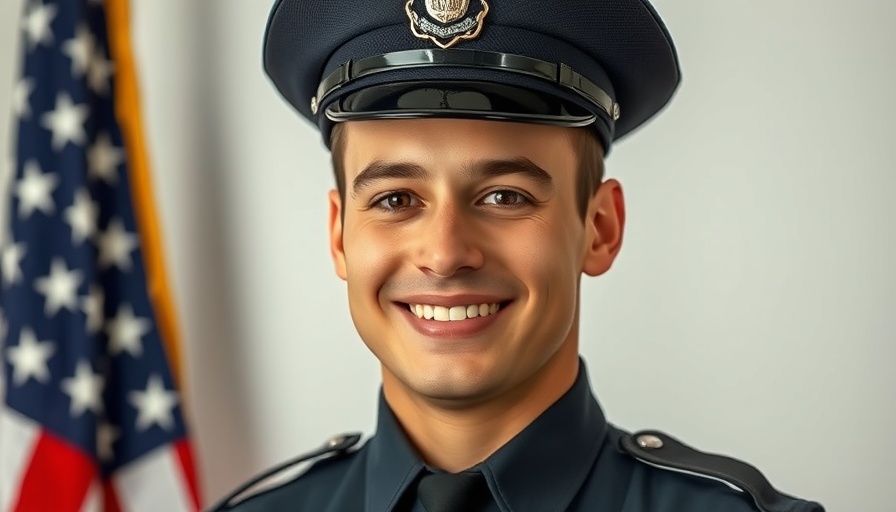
85, 390
125, 332
103, 159
59, 287
106, 435
154, 406
10, 259
37, 24
35, 190
29, 358
92, 306
80, 49
66, 121
98, 73
82, 216
21, 95
116, 245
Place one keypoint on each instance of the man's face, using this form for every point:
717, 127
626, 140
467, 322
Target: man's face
462, 249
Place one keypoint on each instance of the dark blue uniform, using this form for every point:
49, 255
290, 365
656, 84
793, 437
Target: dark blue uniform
609, 65
570, 459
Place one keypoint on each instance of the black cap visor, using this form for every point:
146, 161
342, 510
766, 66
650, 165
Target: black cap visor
458, 99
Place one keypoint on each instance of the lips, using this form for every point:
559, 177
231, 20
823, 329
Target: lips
455, 317
454, 313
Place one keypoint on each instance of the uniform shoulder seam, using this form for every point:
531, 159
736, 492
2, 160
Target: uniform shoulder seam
335, 447
663, 451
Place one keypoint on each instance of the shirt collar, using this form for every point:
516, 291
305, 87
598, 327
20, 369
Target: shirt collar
546, 464
541, 468
392, 464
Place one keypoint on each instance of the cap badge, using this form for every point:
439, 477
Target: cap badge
446, 22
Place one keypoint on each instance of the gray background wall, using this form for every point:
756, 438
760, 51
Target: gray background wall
753, 310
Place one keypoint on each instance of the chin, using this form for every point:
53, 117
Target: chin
453, 383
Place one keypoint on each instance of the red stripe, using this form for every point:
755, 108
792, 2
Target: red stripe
57, 478
110, 498
185, 456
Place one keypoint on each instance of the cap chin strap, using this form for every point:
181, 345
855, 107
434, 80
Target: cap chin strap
557, 73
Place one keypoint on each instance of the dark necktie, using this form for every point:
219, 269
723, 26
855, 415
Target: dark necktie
459, 492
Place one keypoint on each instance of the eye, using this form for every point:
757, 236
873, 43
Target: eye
395, 201
506, 198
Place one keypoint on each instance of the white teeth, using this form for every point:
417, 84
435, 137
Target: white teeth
454, 313
440, 313
457, 313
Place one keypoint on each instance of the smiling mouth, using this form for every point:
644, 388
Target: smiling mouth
455, 313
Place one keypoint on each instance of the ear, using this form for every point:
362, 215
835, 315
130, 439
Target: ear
604, 225
337, 249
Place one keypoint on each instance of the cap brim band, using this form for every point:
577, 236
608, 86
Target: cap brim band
495, 61
465, 99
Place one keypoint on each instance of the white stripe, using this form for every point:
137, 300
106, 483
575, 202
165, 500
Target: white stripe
18, 438
692, 473
94, 500
152, 483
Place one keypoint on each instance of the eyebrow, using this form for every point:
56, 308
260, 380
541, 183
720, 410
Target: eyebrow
521, 166
379, 171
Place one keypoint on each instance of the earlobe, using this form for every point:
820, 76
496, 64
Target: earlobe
337, 249
604, 226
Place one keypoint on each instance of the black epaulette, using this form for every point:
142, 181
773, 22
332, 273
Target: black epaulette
336, 446
665, 452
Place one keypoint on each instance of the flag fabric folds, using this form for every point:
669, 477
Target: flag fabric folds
93, 417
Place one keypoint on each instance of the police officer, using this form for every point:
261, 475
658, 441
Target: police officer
468, 139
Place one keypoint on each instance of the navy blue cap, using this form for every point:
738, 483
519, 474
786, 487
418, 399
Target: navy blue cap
608, 64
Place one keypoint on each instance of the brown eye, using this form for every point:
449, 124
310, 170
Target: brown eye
505, 198
395, 201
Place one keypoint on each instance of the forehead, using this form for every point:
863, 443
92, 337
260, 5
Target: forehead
430, 142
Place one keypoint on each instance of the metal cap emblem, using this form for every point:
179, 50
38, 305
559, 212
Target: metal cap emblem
446, 22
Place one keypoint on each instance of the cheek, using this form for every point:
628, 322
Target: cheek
545, 253
371, 255
547, 262
370, 259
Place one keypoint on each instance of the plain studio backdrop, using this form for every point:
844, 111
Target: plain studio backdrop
753, 308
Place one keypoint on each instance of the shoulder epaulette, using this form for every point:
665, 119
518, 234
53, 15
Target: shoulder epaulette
665, 452
335, 446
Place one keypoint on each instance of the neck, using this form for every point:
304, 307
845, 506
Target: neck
454, 438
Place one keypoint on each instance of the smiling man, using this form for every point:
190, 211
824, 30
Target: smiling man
468, 140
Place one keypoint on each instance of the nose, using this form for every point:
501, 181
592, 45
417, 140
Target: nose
448, 243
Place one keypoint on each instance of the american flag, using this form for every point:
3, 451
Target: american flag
93, 418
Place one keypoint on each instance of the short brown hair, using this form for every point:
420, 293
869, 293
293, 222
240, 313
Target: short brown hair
585, 142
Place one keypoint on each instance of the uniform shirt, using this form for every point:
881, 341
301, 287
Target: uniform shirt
568, 460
